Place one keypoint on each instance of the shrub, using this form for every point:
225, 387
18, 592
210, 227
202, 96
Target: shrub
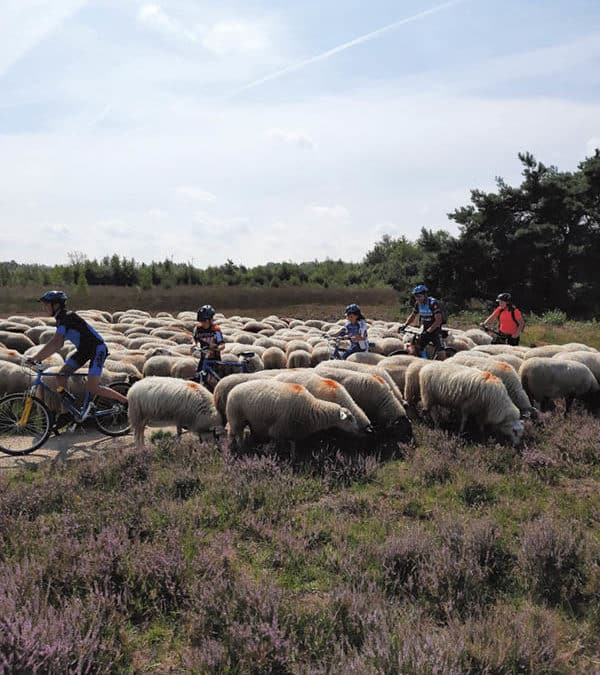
554, 317
552, 559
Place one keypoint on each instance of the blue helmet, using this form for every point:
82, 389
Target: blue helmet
353, 309
205, 312
52, 297
421, 288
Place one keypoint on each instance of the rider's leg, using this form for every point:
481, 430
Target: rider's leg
94, 373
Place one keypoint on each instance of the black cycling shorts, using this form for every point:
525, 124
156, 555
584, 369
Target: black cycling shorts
435, 338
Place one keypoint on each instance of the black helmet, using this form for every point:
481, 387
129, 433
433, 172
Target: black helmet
353, 309
504, 296
52, 297
205, 312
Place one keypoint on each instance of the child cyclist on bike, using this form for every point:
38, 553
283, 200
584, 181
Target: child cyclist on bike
207, 335
430, 314
89, 347
355, 329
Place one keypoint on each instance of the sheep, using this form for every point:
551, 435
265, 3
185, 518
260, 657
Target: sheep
478, 336
590, 359
282, 411
546, 380
412, 386
363, 368
298, 359
473, 393
370, 358
159, 366
546, 351
225, 386
372, 393
321, 352
171, 401
14, 378
273, 357
18, 341
328, 390
293, 345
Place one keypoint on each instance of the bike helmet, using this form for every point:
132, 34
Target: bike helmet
52, 297
421, 288
504, 296
353, 309
205, 312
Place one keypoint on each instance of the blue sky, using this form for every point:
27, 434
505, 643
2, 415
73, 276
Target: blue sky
264, 131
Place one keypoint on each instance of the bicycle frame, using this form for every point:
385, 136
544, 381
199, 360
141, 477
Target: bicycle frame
78, 414
207, 366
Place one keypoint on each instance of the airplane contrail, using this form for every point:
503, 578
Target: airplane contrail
347, 45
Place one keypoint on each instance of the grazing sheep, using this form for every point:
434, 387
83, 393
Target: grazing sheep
589, 359
363, 368
546, 351
546, 380
509, 377
171, 401
478, 336
372, 393
327, 390
298, 359
18, 341
370, 358
273, 357
293, 345
475, 394
282, 411
226, 385
321, 352
184, 367
412, 385
159, 366
14, 378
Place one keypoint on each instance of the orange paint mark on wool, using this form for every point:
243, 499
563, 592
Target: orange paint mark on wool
379, 379
504, 366
332, 384
192, 385
296, 387
489, 377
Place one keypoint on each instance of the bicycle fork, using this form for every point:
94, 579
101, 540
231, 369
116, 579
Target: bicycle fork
26, 410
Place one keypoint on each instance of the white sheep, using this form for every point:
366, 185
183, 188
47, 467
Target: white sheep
171, 401
590, 359
274, 357
298, 358
474, 394
370, 358
282, 411
226, 385
372, 393
362, 368
546, 380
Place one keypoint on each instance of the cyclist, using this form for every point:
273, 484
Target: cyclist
430, 314
355, 329
208, 335
89, 346
510, 321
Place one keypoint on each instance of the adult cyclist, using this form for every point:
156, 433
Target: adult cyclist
429, 312
510, 321
89, 346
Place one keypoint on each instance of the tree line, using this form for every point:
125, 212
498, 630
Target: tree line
539, 240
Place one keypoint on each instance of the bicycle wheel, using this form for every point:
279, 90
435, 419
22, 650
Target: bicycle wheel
25, 424
110, 416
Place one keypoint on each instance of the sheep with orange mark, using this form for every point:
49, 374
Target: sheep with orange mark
373, 395
327, 390
282, 411
377, 369
171, 401
474, 394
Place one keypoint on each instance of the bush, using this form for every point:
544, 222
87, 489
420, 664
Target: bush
554, 317
552, 559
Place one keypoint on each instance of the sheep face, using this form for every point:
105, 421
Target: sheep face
516, 432
347, 422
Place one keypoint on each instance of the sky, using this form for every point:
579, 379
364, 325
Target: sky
259, 131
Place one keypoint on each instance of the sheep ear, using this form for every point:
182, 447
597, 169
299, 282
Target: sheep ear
343, 414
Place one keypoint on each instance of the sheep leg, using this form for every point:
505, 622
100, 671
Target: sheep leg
138, 436
568, 403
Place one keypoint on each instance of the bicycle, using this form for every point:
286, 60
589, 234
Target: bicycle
499, 338
26, 421
431, 352
208, 376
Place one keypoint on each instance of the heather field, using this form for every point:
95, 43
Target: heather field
443, 556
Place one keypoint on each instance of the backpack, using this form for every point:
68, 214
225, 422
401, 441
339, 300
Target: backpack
514, 318
442, 307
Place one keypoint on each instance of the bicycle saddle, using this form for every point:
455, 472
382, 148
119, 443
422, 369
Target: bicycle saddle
247, 355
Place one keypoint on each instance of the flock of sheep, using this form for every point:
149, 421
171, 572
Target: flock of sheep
296, 391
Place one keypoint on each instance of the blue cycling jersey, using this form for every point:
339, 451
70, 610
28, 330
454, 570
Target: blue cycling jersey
73, 328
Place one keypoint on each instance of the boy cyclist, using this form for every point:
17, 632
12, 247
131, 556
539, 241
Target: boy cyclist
430, 314
89, 347
355, 329
207, 335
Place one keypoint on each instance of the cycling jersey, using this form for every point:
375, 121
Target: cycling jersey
357, 329
73, 328
427, 311
208, 337
507, 320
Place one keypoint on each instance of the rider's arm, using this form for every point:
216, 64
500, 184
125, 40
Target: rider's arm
52, 346
411, 318
437, 321
490, 317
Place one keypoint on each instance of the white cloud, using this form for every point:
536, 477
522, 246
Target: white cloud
295, 137
155, 18
339, 214
56, 230
195, 193
157, 214
225, 37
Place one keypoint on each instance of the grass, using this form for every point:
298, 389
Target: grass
184, 558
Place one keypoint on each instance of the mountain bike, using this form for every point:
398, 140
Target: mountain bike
208, 371
498, 337
26, 421
431, 352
